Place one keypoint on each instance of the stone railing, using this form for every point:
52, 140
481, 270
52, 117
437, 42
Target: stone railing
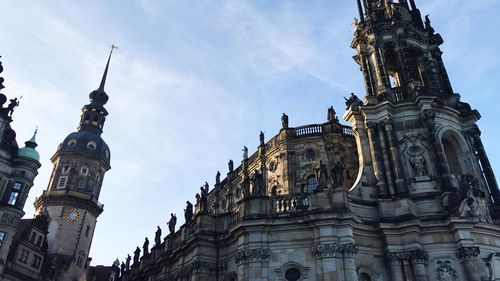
308, 130
289, 203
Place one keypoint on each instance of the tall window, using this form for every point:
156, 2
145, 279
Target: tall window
312, 183
36, 261
23, 256
2, 237
62, 182
14, 194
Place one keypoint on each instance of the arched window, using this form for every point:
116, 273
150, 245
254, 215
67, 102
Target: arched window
310, 155
452, 150
312, 183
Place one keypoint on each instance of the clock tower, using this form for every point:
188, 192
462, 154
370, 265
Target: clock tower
71, 200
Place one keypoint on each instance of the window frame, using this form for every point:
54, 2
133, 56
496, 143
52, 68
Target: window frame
23, 256
64, 180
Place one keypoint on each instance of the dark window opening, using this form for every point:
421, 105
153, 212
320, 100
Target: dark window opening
36, 261
451, 152
292, 274
310, 155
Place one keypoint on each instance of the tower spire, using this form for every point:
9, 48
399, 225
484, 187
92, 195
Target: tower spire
105, 74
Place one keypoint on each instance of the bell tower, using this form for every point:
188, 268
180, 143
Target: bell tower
417, 138
72, 197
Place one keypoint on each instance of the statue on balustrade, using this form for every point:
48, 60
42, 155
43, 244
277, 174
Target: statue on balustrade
158, 236
230, 166
217, 178
171, 223
188, 212
352, 100
203, 198
284, 121
137, 254
331, 115
261, 138
245, 153
122, 269
127, 262
145, 247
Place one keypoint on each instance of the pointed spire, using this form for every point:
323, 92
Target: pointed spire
105, 74
32, 142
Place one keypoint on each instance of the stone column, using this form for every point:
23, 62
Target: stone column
475, 133
419, 260
378, 168
379, 69
366, 75
349, 252
402, 189
441, 163
387, 162
473, 268
396, 263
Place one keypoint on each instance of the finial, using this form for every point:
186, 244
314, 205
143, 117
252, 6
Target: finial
34, 135
103, 80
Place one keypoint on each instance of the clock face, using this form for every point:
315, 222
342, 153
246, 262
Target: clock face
72, 215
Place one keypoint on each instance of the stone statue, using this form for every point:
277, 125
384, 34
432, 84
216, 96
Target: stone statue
337, 172
322, 175
246, 185
137, 254
206, 188
331, 114
428, 25
171, 223
188, 212
198, 198
122, 269
284, 121
127, 262
245, 152
353, 99
217, 178
145, 247
13, 104
203, 198
158, 236
445, 272
476, 206
258, 183
261, 138
418, 164
230, 165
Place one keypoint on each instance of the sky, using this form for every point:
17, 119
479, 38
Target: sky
195, 81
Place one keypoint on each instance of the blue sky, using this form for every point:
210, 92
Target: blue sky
194, 81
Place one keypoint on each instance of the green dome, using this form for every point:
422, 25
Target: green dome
29, 150
29, 153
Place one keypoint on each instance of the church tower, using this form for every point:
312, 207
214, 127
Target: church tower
420, 149
71, 200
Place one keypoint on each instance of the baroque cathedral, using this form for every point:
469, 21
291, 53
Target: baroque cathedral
406, 193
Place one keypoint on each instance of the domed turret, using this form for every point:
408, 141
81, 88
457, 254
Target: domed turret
29, 150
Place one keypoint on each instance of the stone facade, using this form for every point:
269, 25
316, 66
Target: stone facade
399, 196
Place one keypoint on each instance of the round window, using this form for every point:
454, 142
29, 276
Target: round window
71, 142
91, 145
292, 274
